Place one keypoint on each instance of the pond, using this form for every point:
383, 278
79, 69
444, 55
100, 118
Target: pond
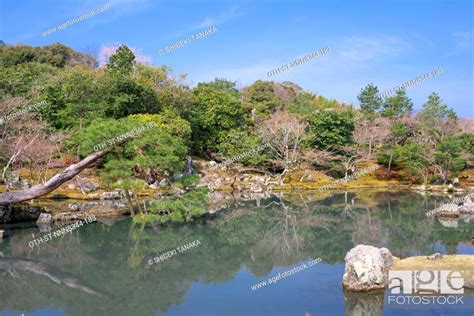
208, 267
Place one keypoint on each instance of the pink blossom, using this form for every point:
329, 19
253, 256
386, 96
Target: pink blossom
106, 51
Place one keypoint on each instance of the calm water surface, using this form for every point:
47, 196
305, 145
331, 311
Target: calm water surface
103, 268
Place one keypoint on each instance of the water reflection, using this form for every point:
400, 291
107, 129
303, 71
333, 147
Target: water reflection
103, 268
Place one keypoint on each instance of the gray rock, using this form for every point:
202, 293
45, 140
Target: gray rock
467, 206
45, 218
366, 268
154, 185
363, 304
188, 168
212, 163
44, 227
112, 195
3, 234
449, 222
163, 183
88, 206
74, 207
436, 256
89, 186
94, 196
177, 191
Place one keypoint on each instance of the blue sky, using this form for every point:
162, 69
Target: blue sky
383, 42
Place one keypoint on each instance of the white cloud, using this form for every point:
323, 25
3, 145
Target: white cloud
219, 19
209, 21
361, 49
348, 56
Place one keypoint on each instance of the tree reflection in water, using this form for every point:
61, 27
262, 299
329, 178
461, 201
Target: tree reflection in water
279, 231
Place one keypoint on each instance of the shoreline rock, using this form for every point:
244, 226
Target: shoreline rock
367, 267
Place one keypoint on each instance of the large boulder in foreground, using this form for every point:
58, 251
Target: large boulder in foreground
367, 268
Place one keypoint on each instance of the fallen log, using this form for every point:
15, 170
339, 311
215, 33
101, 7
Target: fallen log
53, 183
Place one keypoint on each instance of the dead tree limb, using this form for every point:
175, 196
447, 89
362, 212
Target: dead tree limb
43, 189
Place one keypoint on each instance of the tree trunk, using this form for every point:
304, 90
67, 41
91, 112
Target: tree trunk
389, 171
43, 189
370, 148
129, 199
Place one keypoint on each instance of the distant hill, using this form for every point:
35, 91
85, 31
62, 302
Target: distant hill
57, 55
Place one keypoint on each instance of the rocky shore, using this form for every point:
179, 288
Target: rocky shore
84, 195
367, 267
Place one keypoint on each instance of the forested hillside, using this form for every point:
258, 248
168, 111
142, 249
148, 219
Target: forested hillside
79, 105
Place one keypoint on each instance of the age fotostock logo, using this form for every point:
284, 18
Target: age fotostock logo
424, 287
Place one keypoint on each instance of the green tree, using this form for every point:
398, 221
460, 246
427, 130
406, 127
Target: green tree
331, 129
448, 156
369, 100
261, 100
152, 151
414, 158
224, 85
122, 62
26, 80
399, 133
214, 113
123, 96
436, 120
306, 103
238, 141
73, 98
398, 105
